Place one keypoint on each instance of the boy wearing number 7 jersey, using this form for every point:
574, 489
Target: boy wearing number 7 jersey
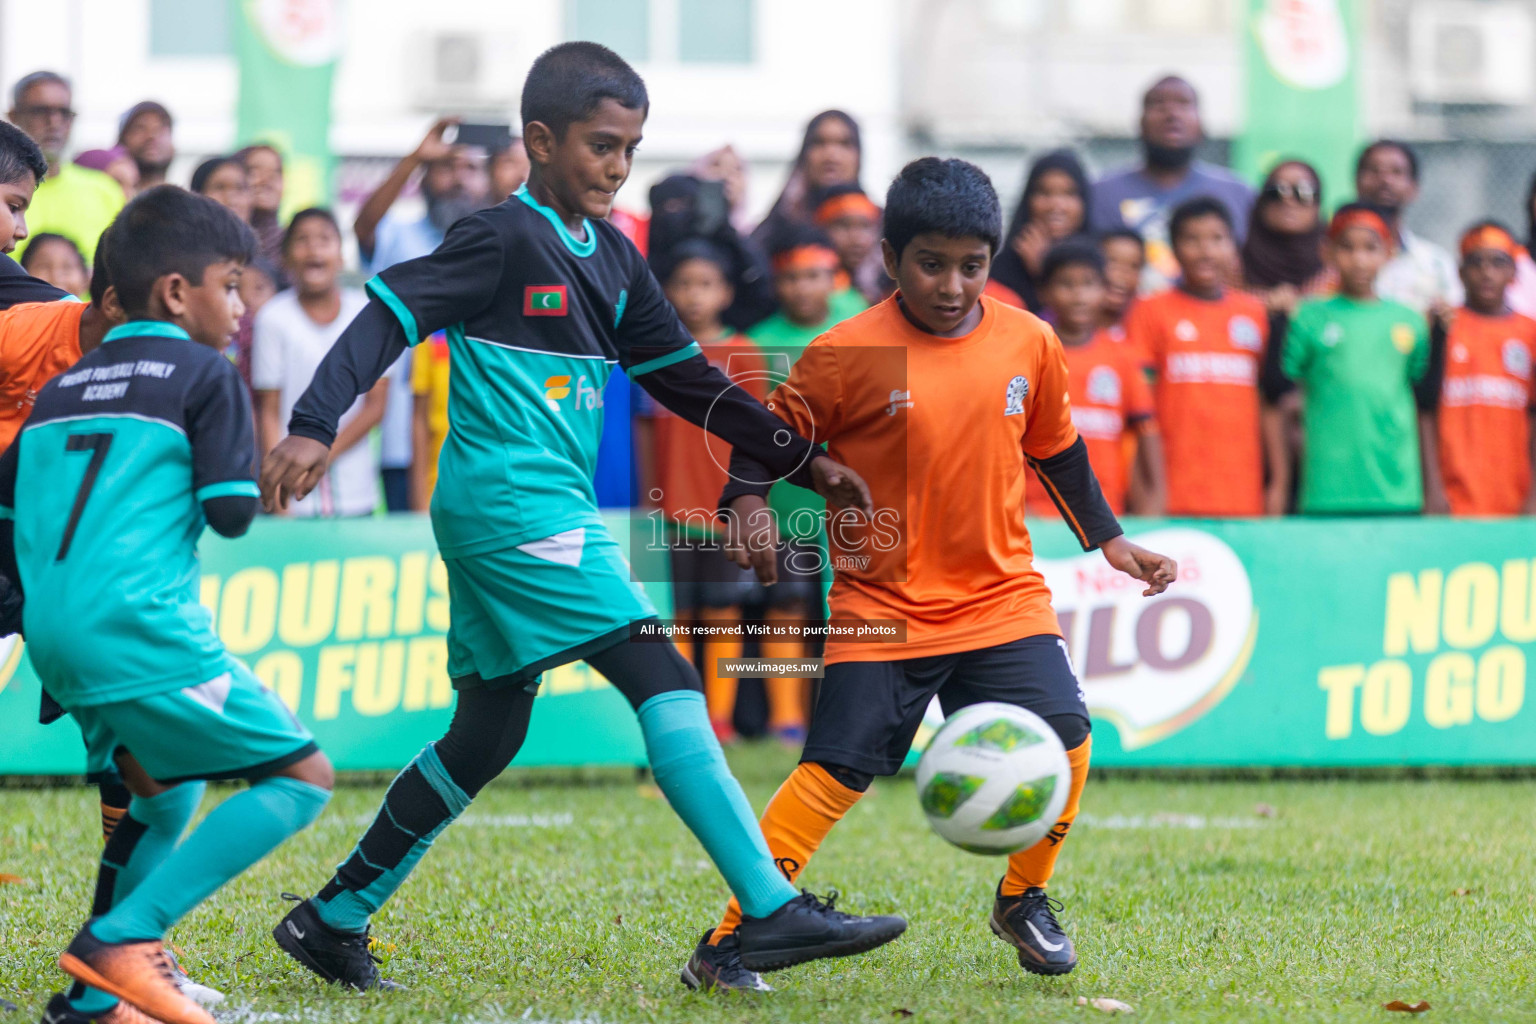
103, 496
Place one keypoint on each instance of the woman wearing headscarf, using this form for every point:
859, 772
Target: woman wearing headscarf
831, 153
1282, 258
1054, 206
685, 208
1282, 262
1521, 294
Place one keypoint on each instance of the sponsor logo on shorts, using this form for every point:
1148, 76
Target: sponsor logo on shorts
10, 657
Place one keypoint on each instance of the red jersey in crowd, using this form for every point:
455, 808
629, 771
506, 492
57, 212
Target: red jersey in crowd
1205, 356
690, 466
1486, 399
1110, 397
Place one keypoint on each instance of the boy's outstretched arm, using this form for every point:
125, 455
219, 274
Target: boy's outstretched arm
407, 302
659, 355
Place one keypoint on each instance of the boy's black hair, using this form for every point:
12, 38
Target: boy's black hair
694, 249
567, 82
793, 235
101, 278
1071, 252
168, 230
19, 156
308, 213
36, 243
1129, 234
1194, 209
1397, 144
951, 197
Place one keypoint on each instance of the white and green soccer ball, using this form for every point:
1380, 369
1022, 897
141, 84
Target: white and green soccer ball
994, 779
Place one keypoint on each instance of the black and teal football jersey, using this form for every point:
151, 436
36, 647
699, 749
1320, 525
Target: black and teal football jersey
105, 484
536, 320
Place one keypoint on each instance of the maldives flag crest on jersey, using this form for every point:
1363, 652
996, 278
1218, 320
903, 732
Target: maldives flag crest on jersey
545, 300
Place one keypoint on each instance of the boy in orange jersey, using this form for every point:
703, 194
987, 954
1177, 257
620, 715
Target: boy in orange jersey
1205, 344
1479, 447
958, 391
1112, 402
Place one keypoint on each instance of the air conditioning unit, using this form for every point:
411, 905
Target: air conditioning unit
1472, 51
466, 70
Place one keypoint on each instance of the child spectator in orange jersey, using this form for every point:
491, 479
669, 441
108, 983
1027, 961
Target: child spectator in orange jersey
682, 470
1205, 344
1479, 447
1125, 256
1107, 378
940, 395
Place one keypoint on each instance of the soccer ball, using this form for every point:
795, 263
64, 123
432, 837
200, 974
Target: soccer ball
994, 779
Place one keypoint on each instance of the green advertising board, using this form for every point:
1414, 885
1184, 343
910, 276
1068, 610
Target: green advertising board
1289, 642
1301, 63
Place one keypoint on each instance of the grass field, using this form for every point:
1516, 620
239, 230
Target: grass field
577, 900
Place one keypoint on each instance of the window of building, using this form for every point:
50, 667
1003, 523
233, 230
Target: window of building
189, 28
714, 31
623, 26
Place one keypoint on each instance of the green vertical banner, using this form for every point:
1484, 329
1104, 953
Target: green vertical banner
1302, 59
288, 51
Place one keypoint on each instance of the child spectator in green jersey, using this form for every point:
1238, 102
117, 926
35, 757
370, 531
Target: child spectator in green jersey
805, 268
1356, 358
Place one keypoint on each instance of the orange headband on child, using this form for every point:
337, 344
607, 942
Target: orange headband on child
805, 257
1358, 218
849, 204
1490, 236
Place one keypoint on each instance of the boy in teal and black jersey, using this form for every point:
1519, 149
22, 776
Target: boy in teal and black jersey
540, 298
124, 460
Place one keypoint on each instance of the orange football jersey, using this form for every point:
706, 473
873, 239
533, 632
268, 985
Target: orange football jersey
939, 427
1110, 396
38, 341
1205, 357
1485, 402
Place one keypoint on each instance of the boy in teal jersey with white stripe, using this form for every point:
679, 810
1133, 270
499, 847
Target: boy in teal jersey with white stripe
540, 298
124, 460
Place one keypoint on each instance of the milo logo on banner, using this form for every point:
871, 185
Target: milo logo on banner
1152, 666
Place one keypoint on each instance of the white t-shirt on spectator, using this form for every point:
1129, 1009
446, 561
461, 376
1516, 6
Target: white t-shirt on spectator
286, 349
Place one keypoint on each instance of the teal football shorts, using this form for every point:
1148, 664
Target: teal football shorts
228, 727
517, 611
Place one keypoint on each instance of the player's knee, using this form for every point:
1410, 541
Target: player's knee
315, 769
1072, 729
852, 778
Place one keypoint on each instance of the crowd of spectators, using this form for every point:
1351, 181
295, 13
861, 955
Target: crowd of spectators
1231, 352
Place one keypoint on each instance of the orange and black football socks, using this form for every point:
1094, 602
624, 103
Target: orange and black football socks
795, 822
1032, 868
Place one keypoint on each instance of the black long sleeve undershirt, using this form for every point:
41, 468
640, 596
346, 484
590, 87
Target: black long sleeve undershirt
1069, 480
364, 352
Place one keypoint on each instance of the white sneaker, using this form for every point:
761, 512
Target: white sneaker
199, 994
